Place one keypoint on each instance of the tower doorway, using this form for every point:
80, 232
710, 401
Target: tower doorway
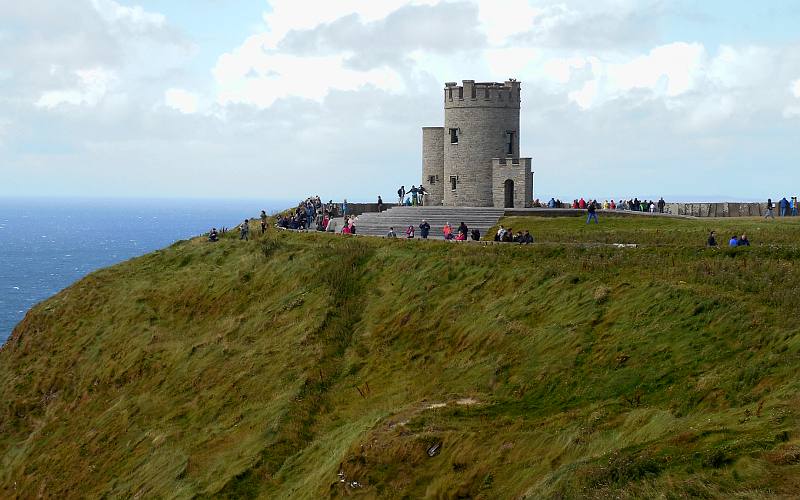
509, 193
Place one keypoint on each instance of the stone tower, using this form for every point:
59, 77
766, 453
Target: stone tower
474, 159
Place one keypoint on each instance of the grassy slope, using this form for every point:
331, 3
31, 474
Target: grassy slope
264, 368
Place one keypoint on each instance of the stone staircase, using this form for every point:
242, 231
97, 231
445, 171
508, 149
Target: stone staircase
378, 224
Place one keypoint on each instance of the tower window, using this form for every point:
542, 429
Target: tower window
460, 92
453, 136
453, 180
509, 143
431, 179
486, 92
474, 92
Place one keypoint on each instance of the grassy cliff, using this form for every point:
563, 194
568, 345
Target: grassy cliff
308, 366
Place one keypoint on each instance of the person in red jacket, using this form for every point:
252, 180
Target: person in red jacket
582, 203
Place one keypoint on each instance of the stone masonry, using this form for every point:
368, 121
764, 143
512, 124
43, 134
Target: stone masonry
474, 159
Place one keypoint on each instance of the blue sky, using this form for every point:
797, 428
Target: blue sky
206, 98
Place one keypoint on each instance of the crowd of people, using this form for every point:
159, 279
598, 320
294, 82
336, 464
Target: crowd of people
785, 207
735, 241
633, 204
507, 235
313, 215
462, 233
411, 198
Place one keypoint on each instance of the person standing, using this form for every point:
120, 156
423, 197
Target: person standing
263, 222
794, 206
661, 205
344, 208
424, 229
783, 205
414, 191
401, 195
421, 195
769, 213
244, 231
380, 204
592, 211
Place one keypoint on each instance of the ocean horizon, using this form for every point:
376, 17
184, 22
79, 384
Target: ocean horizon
48, 244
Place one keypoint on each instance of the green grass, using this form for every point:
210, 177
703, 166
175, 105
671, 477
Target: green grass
562, 369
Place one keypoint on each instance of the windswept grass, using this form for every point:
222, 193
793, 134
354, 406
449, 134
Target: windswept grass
308, 366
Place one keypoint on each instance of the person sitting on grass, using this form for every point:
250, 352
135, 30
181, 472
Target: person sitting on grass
712, 239
463, 231
410, 232
424, 229
345, 228
476, 235
526, 238
734, 241
213, 235
447, 230
743, 241
508, 236
331, 227
391, 233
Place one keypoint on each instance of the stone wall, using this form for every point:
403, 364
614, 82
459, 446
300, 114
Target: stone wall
433, 164
519, 172
481, 114
726, 209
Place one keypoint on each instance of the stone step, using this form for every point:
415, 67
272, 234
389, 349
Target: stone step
378, 224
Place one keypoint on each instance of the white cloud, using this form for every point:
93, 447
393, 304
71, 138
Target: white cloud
91, 87
182, 100
796, 88
135, 18
255, 76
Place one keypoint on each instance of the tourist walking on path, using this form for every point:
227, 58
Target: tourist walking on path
783, 205
592, 211
244, 231
424, 229
263, 222
769, 213
401, 194
380, 204
712, 239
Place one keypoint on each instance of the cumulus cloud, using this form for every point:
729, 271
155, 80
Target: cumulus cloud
182, 100
442, 28
591, 25
608, 102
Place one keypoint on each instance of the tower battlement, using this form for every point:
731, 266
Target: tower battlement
474, 159
482, 94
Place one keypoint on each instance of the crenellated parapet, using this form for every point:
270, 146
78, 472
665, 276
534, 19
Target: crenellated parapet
482, 94
481, 123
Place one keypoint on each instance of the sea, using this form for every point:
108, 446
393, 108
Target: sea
48, 244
